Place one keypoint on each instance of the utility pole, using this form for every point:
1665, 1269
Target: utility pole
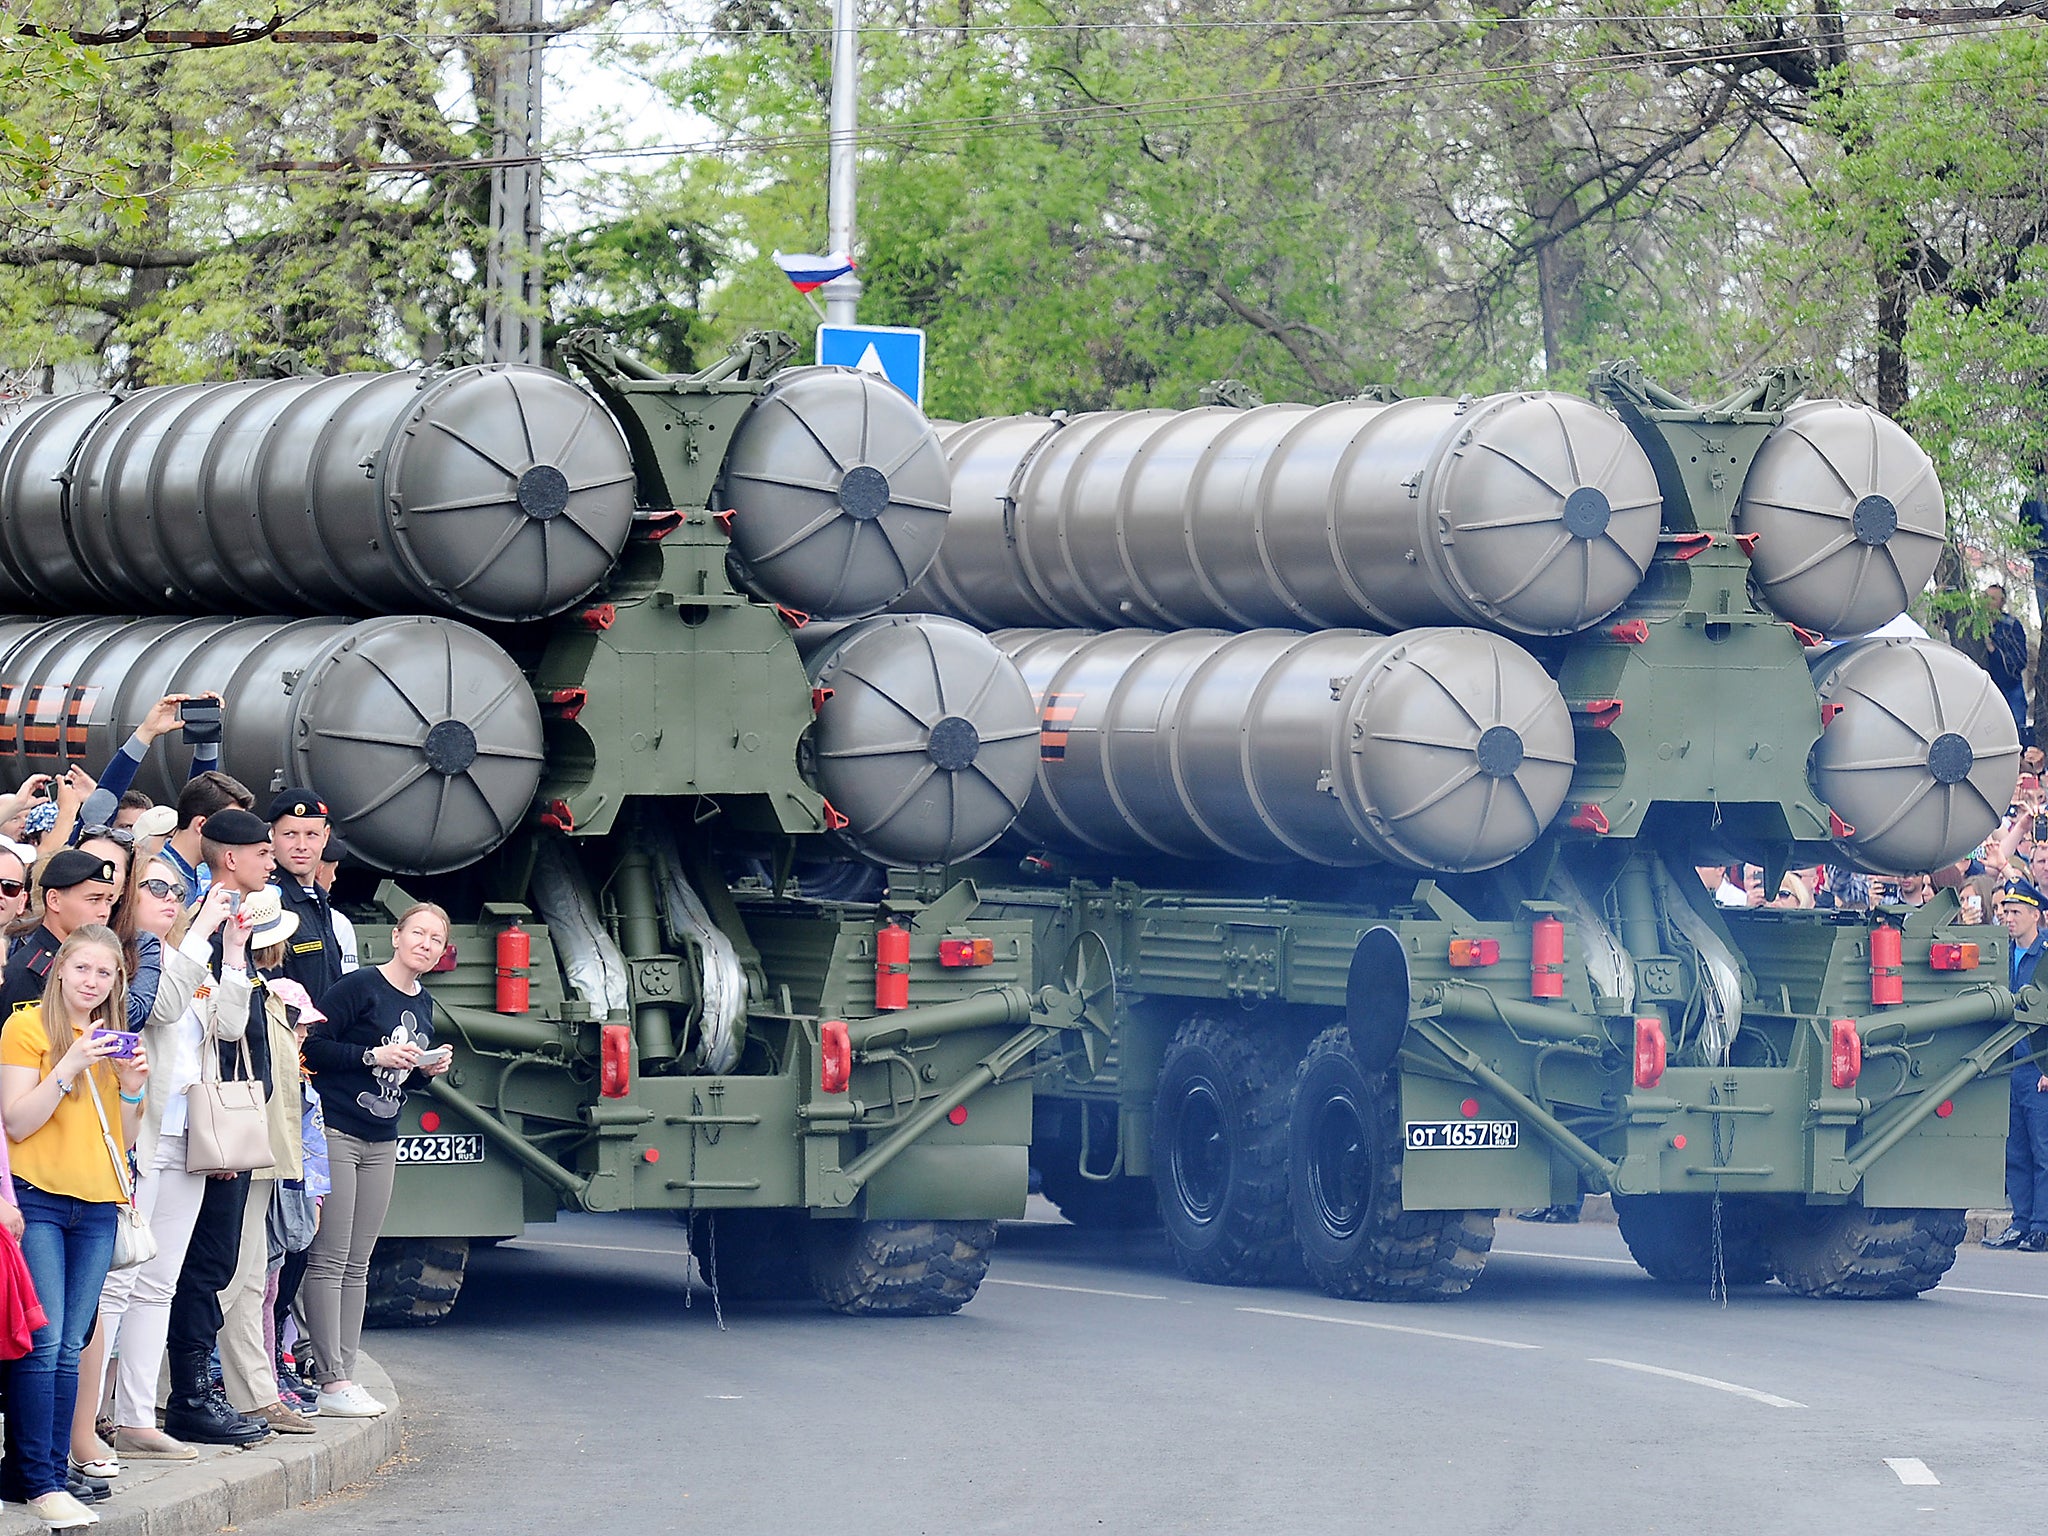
842, 294
513, 302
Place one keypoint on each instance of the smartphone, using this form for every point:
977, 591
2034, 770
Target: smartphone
201, 720
234, 903
127, 1041
439, 1053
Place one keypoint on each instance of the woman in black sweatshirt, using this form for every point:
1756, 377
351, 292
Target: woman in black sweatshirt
375, 1044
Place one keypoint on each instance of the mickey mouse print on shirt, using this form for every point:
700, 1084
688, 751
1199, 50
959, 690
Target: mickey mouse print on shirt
389, 1097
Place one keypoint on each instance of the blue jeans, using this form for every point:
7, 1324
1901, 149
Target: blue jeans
69, 1244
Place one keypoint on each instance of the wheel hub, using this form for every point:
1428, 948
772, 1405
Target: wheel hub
1339, 1168
1201, 1153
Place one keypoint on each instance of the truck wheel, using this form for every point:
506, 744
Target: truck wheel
1219, 1153
414, 1280
1672, 1237
1344, 1168
1098, 1205
1846, 1252
752, 1255
898, 1268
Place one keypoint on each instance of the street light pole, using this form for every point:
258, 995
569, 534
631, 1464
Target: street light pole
842, 294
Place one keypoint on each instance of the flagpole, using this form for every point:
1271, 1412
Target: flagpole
842, 294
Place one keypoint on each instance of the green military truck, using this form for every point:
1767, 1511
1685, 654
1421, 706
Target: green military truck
538, 648
1382, 747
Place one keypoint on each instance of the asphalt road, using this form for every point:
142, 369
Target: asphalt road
581, 1385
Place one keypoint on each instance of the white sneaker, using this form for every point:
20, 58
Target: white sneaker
61, 1512
349, 1402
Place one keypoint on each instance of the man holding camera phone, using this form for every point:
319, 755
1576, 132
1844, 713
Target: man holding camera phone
197, 716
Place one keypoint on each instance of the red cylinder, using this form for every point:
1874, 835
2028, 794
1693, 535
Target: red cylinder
1887, 978
515, 954
892, 967
1546, 958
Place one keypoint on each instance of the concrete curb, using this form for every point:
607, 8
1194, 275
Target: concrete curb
227, 1488
1599, 1211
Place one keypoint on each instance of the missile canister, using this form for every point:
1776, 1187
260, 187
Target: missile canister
926, 739
422, 736
1532, 514
838, 491
498, 493
1919, 755
1849, 518
1446, 749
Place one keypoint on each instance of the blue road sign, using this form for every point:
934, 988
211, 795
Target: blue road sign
892, 352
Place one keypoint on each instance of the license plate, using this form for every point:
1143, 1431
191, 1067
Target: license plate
466, 1147
1463, 1135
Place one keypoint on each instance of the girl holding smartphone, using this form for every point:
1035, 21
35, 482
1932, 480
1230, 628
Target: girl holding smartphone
65, 1094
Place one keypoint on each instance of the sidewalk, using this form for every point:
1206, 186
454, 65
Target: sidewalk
228, 1488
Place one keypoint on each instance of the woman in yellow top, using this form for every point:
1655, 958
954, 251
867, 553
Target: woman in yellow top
52, 1060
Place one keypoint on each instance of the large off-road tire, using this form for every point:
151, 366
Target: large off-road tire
1672, 1237
898, 1268
414, 1280
1344, 1171
1849, 1253
753, 1255
1099, 1205
1219, 1152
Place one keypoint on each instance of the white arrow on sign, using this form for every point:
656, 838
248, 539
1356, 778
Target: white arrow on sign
871, 362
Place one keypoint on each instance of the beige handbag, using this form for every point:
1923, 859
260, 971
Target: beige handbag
134, 1242
227, 1127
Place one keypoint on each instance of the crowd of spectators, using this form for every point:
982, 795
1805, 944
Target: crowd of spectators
163, 1284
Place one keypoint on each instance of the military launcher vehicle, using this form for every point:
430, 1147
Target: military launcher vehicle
1379, 743
535, 645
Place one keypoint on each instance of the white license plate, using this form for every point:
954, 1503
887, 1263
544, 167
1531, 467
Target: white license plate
465, 1147
1463, 1135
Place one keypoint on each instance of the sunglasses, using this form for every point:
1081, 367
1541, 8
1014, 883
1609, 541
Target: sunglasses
12, 888
162, 890
119, 836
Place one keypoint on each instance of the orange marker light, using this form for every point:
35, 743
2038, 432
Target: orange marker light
1467, 953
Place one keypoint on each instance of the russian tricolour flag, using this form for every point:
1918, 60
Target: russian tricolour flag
809, 272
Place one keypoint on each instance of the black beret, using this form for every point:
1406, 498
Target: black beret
235, 828
74, 867
296, 802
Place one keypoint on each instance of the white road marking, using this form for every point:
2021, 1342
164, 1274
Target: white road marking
1912, 1471
1359, 1322
536, 1242
1078, 1290
1574, 1258
1769, 1399
1971, 1290
723, 1397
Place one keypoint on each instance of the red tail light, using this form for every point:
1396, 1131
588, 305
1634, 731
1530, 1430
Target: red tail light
1845, 1054
1469, 953
615, 1061
1952, 955
1887, 980
835, 1056
1546, 958
1651, 1050
955, 953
